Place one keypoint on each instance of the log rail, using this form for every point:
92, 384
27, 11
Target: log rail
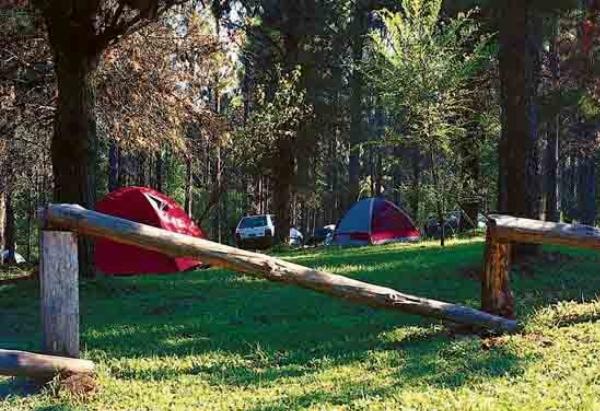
82, 221
61, 223
502, 231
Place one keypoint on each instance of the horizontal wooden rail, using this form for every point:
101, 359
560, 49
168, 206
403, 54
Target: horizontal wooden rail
514, 229
40, 366
502, 231
78, 219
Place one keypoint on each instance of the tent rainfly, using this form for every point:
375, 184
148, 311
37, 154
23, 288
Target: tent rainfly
374, 221
147, 206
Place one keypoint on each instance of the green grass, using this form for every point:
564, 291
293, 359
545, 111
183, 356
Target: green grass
215, 340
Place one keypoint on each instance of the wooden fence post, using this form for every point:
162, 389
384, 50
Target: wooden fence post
59, 289
496, 295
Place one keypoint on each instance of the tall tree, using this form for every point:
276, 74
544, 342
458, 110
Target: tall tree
519, 61
79, 32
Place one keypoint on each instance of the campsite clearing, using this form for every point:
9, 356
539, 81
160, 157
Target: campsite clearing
213, 340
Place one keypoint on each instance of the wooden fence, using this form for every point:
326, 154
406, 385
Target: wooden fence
502, 231
62, 223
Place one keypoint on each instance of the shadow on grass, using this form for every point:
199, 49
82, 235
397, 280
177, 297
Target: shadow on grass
256, 332
18, 387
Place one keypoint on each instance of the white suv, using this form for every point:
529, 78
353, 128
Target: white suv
256, 231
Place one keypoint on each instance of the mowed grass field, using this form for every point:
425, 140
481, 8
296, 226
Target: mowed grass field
214, 340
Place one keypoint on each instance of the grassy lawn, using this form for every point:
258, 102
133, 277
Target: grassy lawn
214, 340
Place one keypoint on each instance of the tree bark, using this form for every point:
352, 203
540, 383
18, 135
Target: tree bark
113, 165
2, 220
9, 229
359, 29
519, 56
586, 190
282, 188
158, 171
189, 186
552, 143
74, 143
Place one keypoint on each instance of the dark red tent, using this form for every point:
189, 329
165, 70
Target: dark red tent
147, 206
374, 221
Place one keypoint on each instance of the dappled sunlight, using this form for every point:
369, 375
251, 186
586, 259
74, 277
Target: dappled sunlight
214, 337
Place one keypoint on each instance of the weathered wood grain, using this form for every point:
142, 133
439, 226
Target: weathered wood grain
524, 230
496, 295
59, 289
80, 220
40, 366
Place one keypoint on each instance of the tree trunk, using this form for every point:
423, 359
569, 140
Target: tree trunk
552, 144
29, 222
158, 171
74, 143
470, 177
415, 184
520, 43
552, 167
9, 229
218, 182
113, 165
359, 28
439, 201
282, 190
189, 185
2, 220
586, 190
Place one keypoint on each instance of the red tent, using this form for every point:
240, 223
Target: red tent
374, 221
147, 206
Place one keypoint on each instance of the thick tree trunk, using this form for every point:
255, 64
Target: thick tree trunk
74, 143
520, 43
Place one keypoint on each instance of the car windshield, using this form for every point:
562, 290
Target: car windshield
252, 222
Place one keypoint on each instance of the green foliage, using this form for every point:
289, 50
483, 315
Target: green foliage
214, 340
276, 118
422, 68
